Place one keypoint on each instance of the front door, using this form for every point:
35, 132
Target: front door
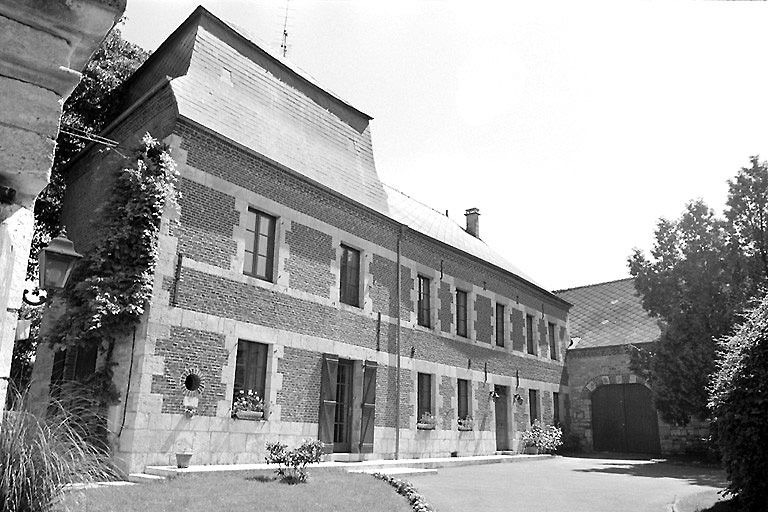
342, 417
502, 429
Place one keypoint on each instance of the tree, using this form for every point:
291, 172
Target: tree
95, 101
739, 404
687, 285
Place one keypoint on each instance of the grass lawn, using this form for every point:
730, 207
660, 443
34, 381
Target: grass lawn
327, 490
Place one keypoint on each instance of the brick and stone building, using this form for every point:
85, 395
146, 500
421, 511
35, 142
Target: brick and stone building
290, 269
611, 407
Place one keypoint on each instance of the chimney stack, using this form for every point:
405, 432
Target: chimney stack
473, 222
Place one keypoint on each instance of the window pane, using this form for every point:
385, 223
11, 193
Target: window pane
424, 398
424, 302
261, 267
248, 263
350, 276
251, 367
463, 396
529, 334
533, 399
461, 313
500, 325
552, 342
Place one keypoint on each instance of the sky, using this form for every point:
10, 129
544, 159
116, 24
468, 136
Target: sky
572, 126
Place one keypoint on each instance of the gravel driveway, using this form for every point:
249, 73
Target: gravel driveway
566, 484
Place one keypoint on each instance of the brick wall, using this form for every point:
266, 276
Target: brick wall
383, 289
386, 392
299, 397
483, 416
447, 391
445, 314
190, 351
312, 254
518, 330
207, 223
484, 310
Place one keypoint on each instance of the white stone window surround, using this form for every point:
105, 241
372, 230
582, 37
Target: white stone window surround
363, 278
433, 275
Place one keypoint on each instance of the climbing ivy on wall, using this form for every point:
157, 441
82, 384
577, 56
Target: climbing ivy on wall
109, 289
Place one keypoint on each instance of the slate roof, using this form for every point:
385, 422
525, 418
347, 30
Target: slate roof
607, 314
313, 141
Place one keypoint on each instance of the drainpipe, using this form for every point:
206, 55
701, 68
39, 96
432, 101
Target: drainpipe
397, 379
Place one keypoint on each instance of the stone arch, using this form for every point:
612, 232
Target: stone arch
616, 378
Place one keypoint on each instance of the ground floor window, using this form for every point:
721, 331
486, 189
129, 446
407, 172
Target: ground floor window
251, 367
556, 408
424, 392
463, 394
533, 403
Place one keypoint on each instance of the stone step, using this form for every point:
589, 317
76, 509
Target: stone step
396, 471
375, 465
144, 478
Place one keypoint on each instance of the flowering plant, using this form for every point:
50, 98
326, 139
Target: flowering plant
427, 419
466, 423
247, 401
547, 438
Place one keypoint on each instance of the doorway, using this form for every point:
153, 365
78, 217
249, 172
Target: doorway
502, 424
342, 420
624, 419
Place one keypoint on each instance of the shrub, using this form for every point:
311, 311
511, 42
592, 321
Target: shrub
546, 438
293, 463
40, 457
739, 405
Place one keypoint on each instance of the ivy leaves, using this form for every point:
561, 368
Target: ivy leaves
108, 291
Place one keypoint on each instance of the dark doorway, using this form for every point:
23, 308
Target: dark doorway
342, 417
624, 419
502, 427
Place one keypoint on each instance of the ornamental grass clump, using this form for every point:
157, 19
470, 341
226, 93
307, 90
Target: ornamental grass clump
41, 457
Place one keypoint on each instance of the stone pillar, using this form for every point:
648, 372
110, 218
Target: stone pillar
43, 46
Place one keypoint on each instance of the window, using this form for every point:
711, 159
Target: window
463, 386
461, 313
529, 334
424, 302
552, 342
350, 276
251, 367
533, 402
424, 398
556, 408
259, 245
500, 325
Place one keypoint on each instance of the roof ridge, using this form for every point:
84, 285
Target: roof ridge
417, 201
593, 285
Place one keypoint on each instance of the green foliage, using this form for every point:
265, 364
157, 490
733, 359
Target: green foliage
417, 501
696, 284
96, 101
547, 438
292, 464
107, 292
739, 404
42, 456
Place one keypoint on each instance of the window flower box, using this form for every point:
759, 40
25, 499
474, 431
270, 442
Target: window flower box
426, 422
249, 415
247, 405
466, 424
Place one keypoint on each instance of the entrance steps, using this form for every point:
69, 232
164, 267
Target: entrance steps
372, 466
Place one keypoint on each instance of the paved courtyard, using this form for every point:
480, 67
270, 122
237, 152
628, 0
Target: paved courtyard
567, 484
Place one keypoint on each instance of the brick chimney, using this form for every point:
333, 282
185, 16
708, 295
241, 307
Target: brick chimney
473, 222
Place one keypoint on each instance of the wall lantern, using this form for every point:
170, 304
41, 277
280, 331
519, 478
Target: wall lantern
56, 262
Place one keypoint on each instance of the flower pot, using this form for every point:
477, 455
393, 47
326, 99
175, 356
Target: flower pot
182, 460
465, 428
249, 415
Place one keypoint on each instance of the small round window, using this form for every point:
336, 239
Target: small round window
192, 382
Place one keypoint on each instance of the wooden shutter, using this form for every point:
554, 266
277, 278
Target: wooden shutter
328, 374
369, 407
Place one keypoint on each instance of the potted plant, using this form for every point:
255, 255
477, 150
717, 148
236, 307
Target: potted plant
541, 439
247, 405
466, 423
426, 422
182, 459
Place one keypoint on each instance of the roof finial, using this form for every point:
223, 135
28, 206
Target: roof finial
284, 46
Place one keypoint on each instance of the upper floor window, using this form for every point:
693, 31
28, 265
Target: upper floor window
461, 313
424, 302
556, 408
500, 325
552, 341
251, 367
531, 344
349, 292
259, 245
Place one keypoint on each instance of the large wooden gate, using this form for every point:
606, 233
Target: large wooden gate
624, 419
